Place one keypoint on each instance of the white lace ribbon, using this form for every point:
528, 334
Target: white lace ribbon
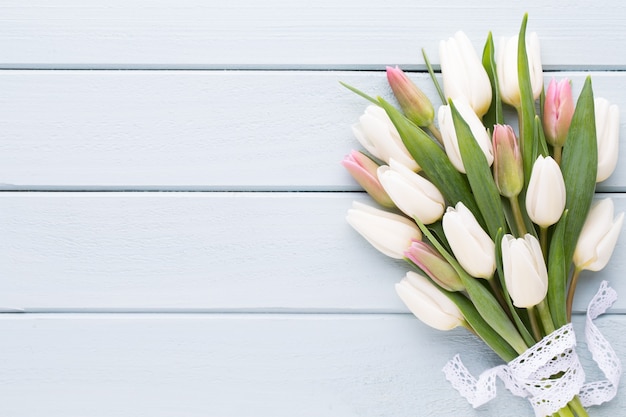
529, 374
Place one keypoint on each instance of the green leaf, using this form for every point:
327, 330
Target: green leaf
433, 78
479, 175
527, 111
494, 115
540, 146
486, 304
579, 165
557, 273
359, 92
433, 161
481, 327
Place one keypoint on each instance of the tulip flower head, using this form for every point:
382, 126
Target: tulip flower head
390, 233
376, 132
471, 245
434, 265
558, 111
412, 193
363, 170
428, 303
607, 134
464, 77
508, 169
598, 237
450, 140
525, 272
414, 103
545, 197
506, 68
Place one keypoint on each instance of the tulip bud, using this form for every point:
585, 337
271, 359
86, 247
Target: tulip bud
506, 68
414, 103
376, 132
390, 233
434, 265
545, 197
607, 132
598, 237
471, 245
450, 140
525, 272
508, 169
428, 303
558, 111
464, 77
413, 194
363, 170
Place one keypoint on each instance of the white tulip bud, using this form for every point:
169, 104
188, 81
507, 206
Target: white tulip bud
450, 140
525, 272
412, 193
464, 77
376, 132
545, 197
506, 68
390, 233
598, 237
607, 133
471, 245
428, 303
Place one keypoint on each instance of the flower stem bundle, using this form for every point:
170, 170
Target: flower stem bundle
496, 219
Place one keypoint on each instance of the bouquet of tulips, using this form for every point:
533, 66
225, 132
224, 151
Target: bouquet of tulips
497, 225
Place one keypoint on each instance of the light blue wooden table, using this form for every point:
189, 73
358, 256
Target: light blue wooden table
172, 234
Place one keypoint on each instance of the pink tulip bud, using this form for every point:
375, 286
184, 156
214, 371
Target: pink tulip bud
363, 170
508, 170
434, 265
414, 103
558, 111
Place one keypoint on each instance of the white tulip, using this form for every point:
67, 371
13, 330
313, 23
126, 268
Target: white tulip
525, 272
413, 194
390, 233
450, 140
471, 245
506, 68
545, 197
376, 132
607, 132
598, 237
428, 303
464, 76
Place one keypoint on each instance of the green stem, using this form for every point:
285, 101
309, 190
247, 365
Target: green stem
436, 133
498, 294
564, 412
534, 324
544, 315
556, 154
570, 292
517, 214
543, 239
578, 408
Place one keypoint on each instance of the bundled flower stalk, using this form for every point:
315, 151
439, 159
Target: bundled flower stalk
497, 226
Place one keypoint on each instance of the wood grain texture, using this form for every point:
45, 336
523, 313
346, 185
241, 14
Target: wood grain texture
241, 365
292, 34
203, 251
198, 130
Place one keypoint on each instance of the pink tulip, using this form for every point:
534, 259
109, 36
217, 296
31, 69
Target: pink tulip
558, 111
426, 258
415, 104
363, 170
508, 170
